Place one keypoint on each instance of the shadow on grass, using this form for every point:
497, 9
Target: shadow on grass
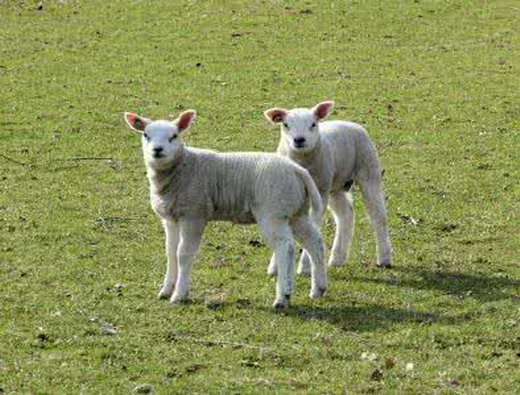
461, 285
368, 317
352, 318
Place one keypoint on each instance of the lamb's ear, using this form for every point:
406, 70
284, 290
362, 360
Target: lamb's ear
135, 122
323, 109
276, 115
185, 119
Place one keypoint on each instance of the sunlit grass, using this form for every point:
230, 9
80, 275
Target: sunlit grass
81, 253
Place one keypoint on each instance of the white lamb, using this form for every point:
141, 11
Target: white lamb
336, 154
189, 187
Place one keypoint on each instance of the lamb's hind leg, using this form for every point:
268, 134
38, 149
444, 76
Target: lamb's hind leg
309, 236
190, 235
342, 209
279, 237
171, 229
304, 267
375, 205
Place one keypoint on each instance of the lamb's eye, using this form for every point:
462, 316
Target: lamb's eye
146, 137
174, 137
313, 125
286, 125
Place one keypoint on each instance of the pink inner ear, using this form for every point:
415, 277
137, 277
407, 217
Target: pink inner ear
185, 120
322, 110
131, 118
277, 115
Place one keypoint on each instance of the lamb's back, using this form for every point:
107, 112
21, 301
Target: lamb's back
235, 186
351, 148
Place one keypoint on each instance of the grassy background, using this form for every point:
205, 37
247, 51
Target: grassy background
81, 254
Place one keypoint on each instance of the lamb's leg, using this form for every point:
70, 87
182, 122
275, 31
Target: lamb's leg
304, 267
307, 234
171, 229
271, 269
375, 205
279, 237
341, 206
190, 231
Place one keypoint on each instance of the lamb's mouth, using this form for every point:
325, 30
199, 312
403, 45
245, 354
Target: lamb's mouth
158, 156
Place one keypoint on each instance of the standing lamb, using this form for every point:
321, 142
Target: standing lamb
336, 154
189, 187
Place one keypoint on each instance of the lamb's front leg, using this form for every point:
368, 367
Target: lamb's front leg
171, 229
304, 267
190, 231
343, 212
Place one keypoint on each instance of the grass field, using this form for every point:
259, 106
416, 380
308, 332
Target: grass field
81, 253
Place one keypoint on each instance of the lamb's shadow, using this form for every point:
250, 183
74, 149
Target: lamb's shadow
461, 285
368, 317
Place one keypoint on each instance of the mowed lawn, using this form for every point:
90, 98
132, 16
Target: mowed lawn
436, 83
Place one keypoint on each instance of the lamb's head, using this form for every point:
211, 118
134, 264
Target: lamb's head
161, 140
300, 126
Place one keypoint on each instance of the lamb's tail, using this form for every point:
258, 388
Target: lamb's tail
313, 193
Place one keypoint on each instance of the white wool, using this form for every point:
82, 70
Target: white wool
235, 187
190, 187
336, 154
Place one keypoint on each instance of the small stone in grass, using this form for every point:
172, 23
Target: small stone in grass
143, 389
369, 356
108, 329
194, 367
118, 288
42, 337
453, 383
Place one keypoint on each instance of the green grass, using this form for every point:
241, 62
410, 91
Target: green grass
436, 84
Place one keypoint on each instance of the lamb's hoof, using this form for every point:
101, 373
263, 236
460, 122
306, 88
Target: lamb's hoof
271, 271
304, 271
386, 264
317, 292
282, 304
166, 292
336, 262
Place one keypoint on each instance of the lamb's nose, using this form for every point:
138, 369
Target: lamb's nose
299, 141
157, 150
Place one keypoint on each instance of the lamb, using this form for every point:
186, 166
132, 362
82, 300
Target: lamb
190, 187
336, 154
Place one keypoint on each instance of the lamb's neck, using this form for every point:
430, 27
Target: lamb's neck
306, 159
164, 179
